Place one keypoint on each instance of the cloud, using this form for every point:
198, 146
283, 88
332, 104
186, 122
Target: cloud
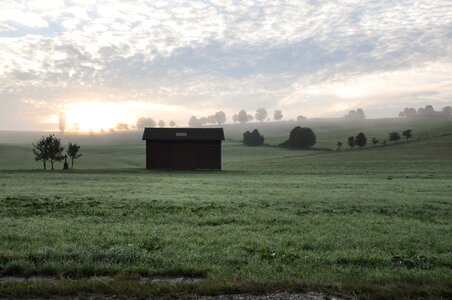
226, 54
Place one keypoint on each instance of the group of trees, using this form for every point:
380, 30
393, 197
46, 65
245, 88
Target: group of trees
299, 138
425, 112
50, 149
144, 122
360, 139
355, 115
253, 138
260, 115
218, 118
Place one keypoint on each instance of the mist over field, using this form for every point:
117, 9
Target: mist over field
225, 149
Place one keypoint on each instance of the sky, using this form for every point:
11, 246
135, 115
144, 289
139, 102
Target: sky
103, 62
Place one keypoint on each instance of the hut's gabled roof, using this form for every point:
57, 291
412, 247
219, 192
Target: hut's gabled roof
183, 134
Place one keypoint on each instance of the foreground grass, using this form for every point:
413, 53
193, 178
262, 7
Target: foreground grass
373, 223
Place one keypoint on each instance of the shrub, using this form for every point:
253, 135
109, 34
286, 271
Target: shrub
361, 140
300, 138
394, 136
253, 138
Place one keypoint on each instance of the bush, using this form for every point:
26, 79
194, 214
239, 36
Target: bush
300, 138
361, 140
394, 136
253, 138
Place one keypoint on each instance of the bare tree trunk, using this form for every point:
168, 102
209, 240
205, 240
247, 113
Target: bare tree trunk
72, 163
44, 163
51, 162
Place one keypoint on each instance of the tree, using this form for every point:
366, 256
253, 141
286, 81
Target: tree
351, 142
220, 117
394, 136
277, 115
202, 120
375, 141
243, 117
360, 113
194, 122
339, 146
235, 118
301, 118
300, 137
253, 138
52, 150
172, 123
73, 153
62, 122
261, 114
361, 140
410, 112
161, 123
145, 122
447, 110
407, 134
41, 151
355, 115
122, 126
211, 120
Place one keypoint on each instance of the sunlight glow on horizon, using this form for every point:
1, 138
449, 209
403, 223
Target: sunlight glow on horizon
93, 116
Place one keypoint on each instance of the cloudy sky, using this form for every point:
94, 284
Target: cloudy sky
103, 62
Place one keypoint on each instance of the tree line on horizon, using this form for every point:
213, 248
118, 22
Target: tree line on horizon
260, 115
425, 112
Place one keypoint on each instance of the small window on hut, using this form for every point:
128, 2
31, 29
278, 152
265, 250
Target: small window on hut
181, 134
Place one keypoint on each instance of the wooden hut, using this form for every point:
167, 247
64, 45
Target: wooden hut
183, 148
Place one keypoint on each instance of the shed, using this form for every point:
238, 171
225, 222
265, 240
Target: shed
183, 148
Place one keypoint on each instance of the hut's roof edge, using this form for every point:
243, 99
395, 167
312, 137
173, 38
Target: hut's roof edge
183, 134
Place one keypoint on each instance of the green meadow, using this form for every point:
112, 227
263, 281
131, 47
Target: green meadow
367, 223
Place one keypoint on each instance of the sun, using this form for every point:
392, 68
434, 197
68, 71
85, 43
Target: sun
95, 116
92, 116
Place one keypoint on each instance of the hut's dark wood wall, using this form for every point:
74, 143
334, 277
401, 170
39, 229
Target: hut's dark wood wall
183, 148
183, 155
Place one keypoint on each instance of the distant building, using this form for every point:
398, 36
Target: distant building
183, 148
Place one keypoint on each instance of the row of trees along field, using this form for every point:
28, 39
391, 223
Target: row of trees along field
360, 139
299, 138
241, 117
425, 112
50, 149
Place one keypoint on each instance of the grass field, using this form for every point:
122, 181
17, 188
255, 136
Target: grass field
370, 223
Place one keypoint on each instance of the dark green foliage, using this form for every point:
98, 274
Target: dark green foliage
351, 141
375, 141
253, 138
407, 134
48, 149
394, 136
73, 153
41, 151
361, 140
55, 149
300, 138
